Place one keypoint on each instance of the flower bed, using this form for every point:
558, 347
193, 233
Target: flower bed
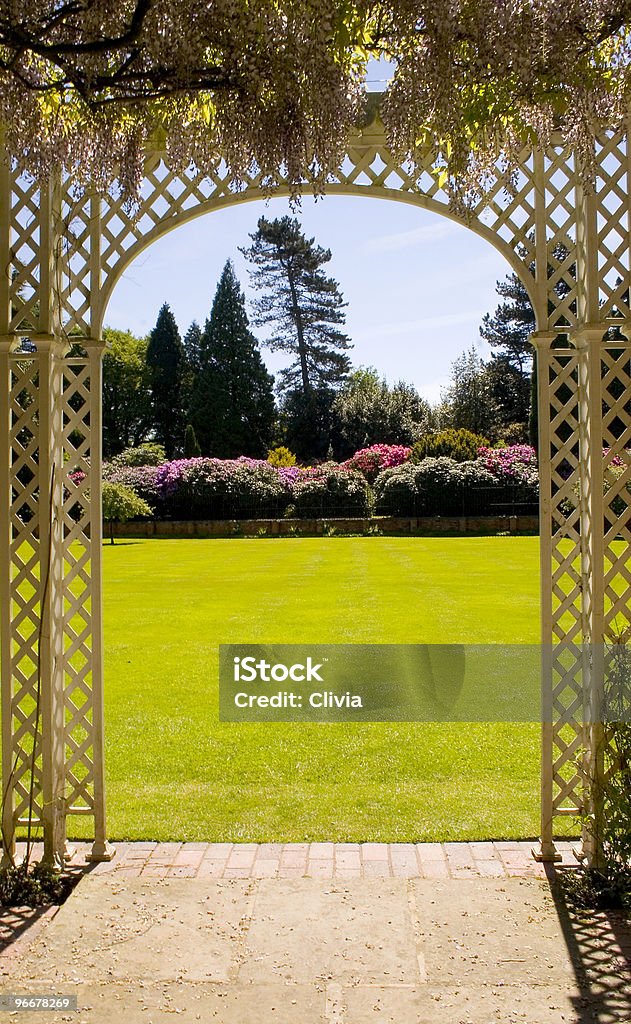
498, 481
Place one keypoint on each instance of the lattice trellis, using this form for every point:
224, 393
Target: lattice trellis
52, 658
63, 254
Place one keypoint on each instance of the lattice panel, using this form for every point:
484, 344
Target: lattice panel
616, 423
612, 191
77, 556
559, 189
75, 279
64, 256
25, 581
505, 214
566, 663
26, 255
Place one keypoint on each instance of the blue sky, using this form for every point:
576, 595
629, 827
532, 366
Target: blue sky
417, 284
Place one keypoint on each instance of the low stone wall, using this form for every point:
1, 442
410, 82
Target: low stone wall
298, 527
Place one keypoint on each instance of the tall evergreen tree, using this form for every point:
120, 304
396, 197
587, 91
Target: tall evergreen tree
512, 367
305, 310
192, 343
192, 347
166, 362
232, 403
303, 305
508, 329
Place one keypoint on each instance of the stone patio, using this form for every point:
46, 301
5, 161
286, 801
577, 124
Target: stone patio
322, 933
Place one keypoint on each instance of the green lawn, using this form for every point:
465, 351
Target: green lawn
175, 772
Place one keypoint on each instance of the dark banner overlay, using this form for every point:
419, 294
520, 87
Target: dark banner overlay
421, 683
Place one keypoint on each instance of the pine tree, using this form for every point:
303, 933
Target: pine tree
512, 367
192, 347
232, 403
509, 328
192, 343
166, 362
304, 307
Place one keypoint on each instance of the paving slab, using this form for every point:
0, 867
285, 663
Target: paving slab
125, 1003
164, 929
461, 1005
304, 931
509, 933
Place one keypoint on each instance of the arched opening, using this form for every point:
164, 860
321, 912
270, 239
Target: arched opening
347, 781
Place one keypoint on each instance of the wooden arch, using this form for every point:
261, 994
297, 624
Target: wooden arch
62, 254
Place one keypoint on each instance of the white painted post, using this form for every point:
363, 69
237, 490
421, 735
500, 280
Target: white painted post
50, 353
542, 340
101, 849
8, 824
589, 342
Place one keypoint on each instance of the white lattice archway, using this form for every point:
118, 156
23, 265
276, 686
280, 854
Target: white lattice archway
62, 256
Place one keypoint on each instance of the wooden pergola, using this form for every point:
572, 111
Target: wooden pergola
61, 256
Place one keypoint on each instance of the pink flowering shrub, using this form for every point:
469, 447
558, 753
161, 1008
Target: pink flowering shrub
371, 461
515, 464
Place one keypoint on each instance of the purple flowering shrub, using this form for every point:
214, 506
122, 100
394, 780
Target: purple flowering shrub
204, 488
515, 464
143, 480
244, 488
371, 461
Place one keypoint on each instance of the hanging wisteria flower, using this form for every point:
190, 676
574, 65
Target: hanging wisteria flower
274, 88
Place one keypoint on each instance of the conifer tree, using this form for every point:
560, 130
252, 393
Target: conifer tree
512, 368
166, 362
192, 347
232, 403
303, 306
191, 445
305, 310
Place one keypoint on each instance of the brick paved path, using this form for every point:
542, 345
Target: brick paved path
323, 860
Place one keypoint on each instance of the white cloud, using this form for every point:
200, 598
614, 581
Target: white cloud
405, 239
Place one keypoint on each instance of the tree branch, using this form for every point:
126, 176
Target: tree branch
15, 37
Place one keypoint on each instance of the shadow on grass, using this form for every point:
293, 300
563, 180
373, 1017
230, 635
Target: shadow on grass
120, 543
599, 947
